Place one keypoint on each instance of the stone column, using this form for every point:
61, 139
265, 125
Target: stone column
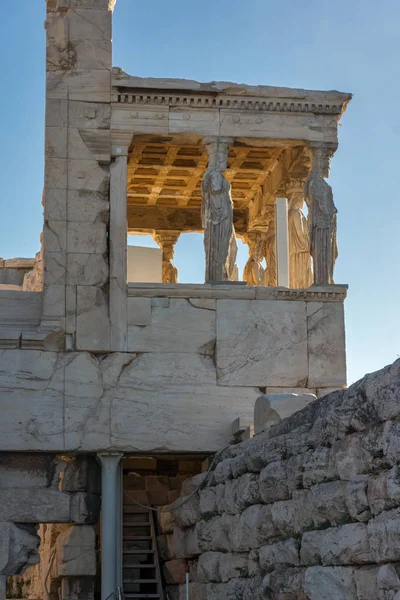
118, 250
322, 216
77, 171
217, 214
299, 239
110, 515
167, 240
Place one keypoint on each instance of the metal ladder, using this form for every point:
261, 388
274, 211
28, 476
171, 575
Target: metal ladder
141, 567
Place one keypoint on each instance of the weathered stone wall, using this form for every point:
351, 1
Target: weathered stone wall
308, 510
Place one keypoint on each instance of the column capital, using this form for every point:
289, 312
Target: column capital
103, 456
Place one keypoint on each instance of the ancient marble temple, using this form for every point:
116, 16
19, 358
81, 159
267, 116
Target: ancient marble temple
97, 371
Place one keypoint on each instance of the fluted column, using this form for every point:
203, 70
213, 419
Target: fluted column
167, 240
300, 266
322, 216
217, 214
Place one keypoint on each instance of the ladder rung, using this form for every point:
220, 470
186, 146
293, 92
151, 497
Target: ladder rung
134, 524
140, 551
138, 566
131, 508
140, 580
127, 595
130, 538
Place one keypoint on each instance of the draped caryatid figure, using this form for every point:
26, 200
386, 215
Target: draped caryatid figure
254, 273
167, 240
271, 275
300, 269
217, 216
322, 219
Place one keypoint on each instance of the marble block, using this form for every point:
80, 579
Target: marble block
326, 344
261, 343
272, 408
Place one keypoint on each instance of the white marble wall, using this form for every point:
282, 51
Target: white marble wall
193, 366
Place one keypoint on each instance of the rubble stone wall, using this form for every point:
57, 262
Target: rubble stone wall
308, 510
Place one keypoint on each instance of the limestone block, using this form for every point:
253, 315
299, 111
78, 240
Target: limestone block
56, 112
190, 484
92, 54
188, 513
55, 267
92, 324
201, 591
20, 307
292, 517
26, 471
366, 583
166, 521
271, 408
328, 503
79, 474
356, 498
18, 548
88, 175
56, 139
165, 547
384, 532
76, 552
87, 409
34, 506
346, 545
86, 269
273, 482
174, 571
92, 207
391, 442
86, 115
326, 583
255, 528
87, 238
77, 588
208, 502
241, 493
217, 533
184, 415
54, 301
352, 457
85, 85
56, 85
318, 467
55, 204
32, 401
321, 392
205, 303
55, 236
85, 508
55, 173
279, 553
139, 311
379, 497
221, 567
179, 328
86, 24
261, 342
185, 543
326, 344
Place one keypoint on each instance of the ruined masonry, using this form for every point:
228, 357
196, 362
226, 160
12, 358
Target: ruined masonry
119, 384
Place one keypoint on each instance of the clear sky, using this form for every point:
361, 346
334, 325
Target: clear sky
349, 45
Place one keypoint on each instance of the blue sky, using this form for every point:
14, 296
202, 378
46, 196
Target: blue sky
350, 45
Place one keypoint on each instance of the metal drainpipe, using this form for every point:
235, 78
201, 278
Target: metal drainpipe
109, 523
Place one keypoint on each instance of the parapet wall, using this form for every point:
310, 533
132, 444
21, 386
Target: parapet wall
308, 510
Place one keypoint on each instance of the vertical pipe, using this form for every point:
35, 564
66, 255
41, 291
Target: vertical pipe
187, 586
282, 242
3, 585
109, 526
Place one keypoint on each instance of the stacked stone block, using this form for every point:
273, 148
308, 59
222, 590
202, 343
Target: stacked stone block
77, 172
309, 510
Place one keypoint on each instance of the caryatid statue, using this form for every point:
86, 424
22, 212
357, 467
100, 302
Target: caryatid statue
322, 218
167, 240
217, 215
254, 274
271, 276
300, 268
